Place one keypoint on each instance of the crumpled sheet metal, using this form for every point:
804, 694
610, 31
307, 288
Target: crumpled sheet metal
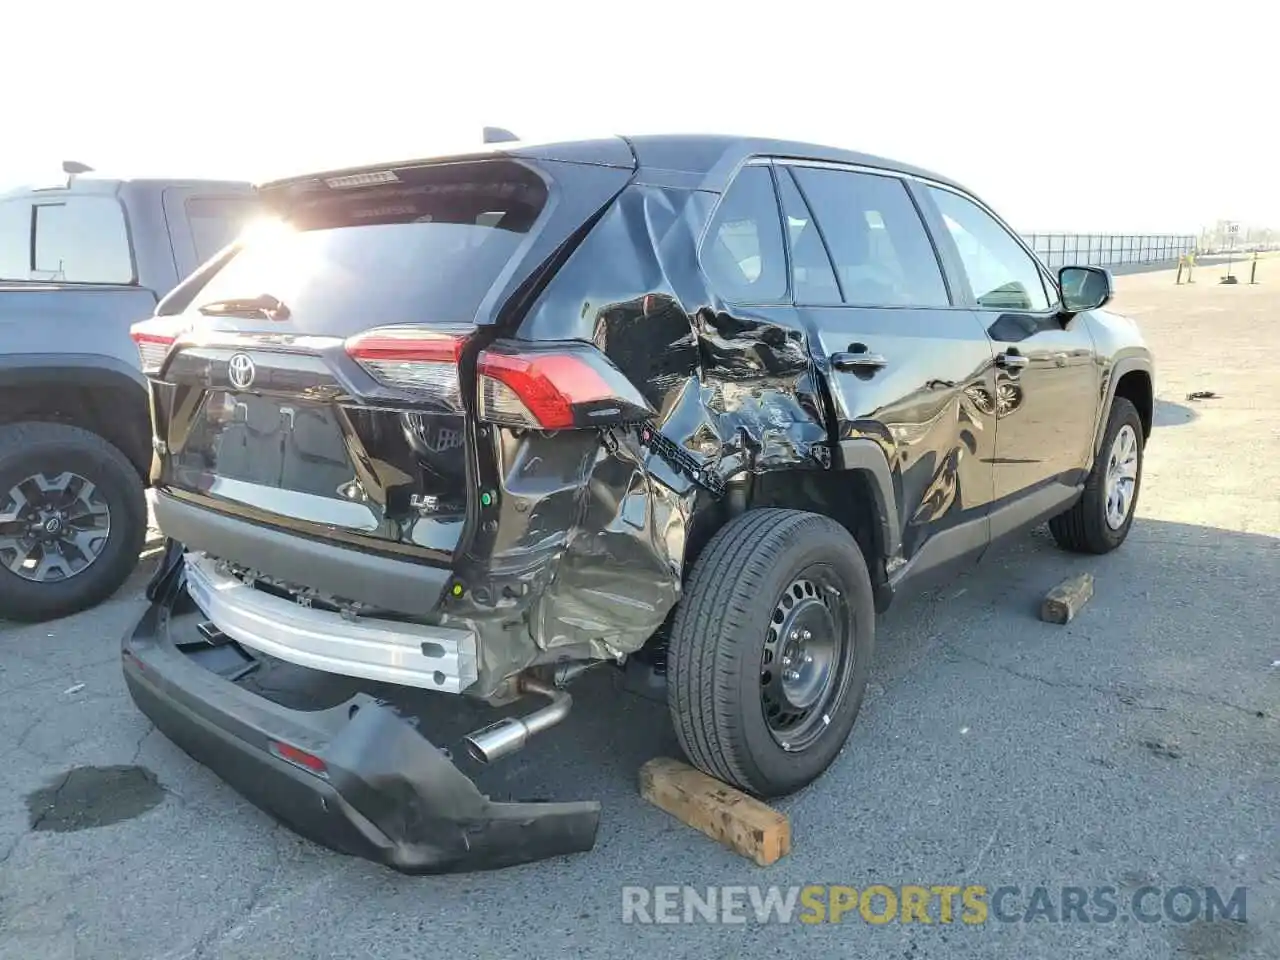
593, 527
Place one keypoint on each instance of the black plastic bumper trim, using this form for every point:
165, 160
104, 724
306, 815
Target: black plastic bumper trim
391, 795
401, 585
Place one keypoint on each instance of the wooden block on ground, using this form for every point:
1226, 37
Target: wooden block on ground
1065, 600
741, 823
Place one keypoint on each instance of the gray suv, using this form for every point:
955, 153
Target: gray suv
80, 261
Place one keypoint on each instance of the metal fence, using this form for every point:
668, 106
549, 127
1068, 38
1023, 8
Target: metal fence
1108, 249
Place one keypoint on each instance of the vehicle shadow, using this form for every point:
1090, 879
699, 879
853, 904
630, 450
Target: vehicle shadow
1169, 414
987, 610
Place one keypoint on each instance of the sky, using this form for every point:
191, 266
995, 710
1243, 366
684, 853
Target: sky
1122, 116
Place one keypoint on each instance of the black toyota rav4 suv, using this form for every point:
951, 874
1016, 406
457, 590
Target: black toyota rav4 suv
474, 424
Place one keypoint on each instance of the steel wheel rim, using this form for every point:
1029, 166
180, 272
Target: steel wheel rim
803, 677
1122, 476
52, 526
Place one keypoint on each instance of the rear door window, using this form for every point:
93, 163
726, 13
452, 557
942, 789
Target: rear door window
743, 253
882, 254
81, 239
421, 245
812, 279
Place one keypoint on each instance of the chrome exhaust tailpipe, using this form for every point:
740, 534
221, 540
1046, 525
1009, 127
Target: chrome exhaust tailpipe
510, 734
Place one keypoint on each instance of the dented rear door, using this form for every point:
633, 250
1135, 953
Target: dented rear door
907, 368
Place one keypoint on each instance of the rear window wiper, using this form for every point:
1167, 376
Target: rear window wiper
263, 305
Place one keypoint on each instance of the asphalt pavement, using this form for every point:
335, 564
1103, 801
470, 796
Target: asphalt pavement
1138, 746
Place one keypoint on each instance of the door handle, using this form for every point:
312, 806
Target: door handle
858, 361
1011, 360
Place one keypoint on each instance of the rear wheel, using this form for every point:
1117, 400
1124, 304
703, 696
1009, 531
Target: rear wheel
770, 650
1100, 520
72, 520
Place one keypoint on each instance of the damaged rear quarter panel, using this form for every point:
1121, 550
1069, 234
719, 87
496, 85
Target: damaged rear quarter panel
588, 539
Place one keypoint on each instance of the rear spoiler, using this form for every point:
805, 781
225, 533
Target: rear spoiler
605, 152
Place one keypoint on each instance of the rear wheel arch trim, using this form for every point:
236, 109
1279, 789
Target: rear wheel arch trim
868, 456
1118, 372
55, 371
89, 369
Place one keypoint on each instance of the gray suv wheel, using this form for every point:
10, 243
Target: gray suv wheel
72, 520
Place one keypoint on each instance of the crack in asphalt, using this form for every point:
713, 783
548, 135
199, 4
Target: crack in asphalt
57, 793
62, 674
970, 871
53, 801
137, 750
1124, 694
1146, 541
232, 927
20, 742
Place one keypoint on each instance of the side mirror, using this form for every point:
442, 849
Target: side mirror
1084, 288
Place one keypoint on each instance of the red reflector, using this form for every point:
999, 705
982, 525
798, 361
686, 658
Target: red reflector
299, 758
549, 385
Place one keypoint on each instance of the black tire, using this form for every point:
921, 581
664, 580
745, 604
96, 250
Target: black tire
27, 449
721, 629
1084, 528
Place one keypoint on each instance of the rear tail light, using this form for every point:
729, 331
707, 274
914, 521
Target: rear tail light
549, 387
153, 338
572, 385
415, 359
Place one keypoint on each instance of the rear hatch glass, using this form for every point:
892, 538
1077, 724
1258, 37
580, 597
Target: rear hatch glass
427, 247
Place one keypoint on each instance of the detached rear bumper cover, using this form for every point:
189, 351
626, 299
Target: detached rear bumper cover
390, 795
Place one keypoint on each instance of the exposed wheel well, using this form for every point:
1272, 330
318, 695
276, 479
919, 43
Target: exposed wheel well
843, 495
1135, 386
118, 414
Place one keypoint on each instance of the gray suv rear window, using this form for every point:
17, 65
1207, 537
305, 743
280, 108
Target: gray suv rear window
78, 239
82, 240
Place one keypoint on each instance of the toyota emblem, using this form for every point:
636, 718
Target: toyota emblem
240, 371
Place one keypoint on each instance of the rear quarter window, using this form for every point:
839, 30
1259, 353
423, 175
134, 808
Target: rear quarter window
216, 221
743, 254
